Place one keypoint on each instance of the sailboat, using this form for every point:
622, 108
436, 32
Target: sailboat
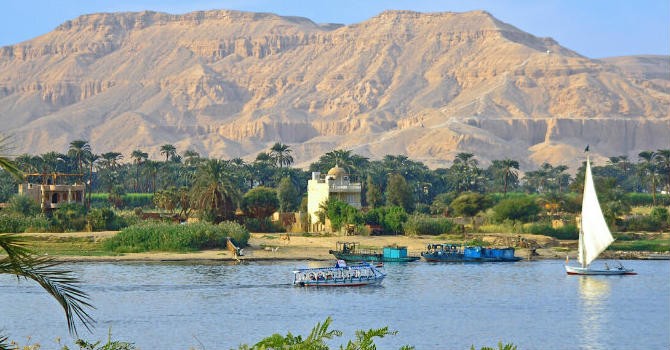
594, 234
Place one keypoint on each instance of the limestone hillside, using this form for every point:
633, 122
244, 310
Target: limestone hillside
230, 84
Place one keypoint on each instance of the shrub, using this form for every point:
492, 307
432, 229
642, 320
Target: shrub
424, 225
176, 237
565, 232
13, 223
102, 219
262, 225
69, 217
23, 205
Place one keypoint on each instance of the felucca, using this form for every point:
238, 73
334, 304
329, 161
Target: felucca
594, 234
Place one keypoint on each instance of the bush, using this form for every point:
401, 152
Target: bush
102, 219
522, 209
23, 205
69, 217
176, 237
424, 225
262, 225
468, 204
641, 223
565, 232
14, 223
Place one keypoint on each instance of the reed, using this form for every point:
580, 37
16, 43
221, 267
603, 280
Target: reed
176, 237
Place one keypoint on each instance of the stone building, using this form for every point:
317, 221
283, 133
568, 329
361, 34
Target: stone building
51, 193
336, 184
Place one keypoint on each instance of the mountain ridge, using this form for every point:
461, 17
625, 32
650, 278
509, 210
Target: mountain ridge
229, 84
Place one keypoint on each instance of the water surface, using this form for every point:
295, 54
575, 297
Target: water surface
534, 305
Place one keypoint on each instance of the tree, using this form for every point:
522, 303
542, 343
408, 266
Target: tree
139, 157
398, 193
169, 151
663, 160
79, 149
213, 194
508, 170
468, 204
260, 202
648, 168
373, 194
464, 171
288, 196
281, 155
522, 209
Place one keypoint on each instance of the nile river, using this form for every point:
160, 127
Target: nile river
534, 305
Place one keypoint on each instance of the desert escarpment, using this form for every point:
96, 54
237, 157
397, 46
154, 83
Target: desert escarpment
229, 84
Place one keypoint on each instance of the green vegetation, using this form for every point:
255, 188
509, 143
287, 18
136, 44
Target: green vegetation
316, 340
176, 238
425, 225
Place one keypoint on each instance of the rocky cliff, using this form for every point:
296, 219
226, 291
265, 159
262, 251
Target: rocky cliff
229, 84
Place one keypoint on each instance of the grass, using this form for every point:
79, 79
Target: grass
652, 245
64, 246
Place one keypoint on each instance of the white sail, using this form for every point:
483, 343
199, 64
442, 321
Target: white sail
595, 236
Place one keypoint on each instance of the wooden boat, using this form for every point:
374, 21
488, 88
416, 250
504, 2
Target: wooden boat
350, 251
594, 234
340, 275
455, 253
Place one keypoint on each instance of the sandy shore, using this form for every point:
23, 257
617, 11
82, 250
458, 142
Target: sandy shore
267, 246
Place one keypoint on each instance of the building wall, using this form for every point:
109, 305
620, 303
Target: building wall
320, 189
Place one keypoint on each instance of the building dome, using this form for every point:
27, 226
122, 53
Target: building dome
337, 172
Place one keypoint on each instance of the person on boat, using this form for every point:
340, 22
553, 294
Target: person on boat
607, 267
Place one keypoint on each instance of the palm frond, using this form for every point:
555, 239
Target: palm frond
60, 283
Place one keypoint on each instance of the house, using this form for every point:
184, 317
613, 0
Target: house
336, 184
51, 193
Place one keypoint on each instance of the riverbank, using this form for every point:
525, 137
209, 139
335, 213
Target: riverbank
268, 246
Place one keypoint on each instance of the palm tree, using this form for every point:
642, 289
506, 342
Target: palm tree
648, 167
168, 151
663, 160
78, 150
281, 154
139, 158
213, 194
509, 169
91, 159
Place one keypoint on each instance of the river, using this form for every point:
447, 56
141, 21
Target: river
534, 305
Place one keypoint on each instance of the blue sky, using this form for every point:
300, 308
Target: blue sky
594, 28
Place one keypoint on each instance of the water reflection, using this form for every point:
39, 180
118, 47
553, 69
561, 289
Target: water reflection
593, 295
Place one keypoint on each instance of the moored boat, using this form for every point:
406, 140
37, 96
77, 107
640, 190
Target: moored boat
455, 253
350, 251
340, 275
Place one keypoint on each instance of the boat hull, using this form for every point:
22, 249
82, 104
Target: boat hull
371, 257
341, 275
587, 271
341, 283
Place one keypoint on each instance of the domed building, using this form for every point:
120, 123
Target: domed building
336, 184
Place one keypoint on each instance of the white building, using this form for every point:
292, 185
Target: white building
336, 184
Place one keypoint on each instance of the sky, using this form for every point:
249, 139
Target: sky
593, 28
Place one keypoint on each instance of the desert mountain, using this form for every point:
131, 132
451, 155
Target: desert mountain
230, 84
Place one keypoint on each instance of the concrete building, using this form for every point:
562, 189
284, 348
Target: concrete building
335, 184
50, 194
